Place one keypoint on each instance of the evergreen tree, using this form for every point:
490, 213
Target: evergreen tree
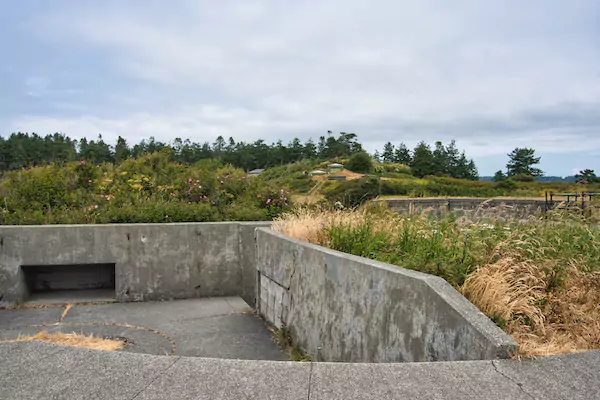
121, 150
521, 162
441, 165
422, 163
499, 176
388, 153
295, 150
402, 155
310, 150
218, 147
377, 156
586, 176
321, 147
453, 160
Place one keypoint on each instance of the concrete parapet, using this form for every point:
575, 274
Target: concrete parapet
340, 307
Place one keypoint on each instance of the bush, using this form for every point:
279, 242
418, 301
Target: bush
360, 162
507, 184
355, 192
393, 168
149, 189
523, 178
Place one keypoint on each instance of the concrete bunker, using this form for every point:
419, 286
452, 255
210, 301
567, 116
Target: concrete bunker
337, 307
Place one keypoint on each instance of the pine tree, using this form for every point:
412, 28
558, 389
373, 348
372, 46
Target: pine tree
121, 150
377, 156
440, 160
310, 150
402, 155
521, 162
422, 163
499, 176
388, 153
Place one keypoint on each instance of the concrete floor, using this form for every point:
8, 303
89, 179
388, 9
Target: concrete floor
223, 327
71, 296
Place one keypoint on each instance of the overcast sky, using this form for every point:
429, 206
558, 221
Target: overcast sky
493, 75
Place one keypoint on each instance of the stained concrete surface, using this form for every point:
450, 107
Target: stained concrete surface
42, 371
351, 309
224, 327
152, 261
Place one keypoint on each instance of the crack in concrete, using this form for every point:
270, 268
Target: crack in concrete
65, 312
519, 384
158, 375
291, 276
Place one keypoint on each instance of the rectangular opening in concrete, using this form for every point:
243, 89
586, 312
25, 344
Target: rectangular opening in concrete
69, 283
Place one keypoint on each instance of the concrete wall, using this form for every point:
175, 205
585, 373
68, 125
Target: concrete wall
341, 307
153, 261
521, 207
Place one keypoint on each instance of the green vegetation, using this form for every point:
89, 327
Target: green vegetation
55, 179
283, 338
399, 184
151, 188
25, 150
537, 278
521, 164
586, 176
360, 162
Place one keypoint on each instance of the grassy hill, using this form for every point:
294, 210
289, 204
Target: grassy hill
154, 188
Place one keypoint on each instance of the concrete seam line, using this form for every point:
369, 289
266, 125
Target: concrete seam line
274, 281
238, 231
158, 375
519, 384
310, 374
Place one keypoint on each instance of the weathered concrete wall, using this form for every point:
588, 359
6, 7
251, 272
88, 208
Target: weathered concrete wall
247, 259
341, 307
515, 206
153, 261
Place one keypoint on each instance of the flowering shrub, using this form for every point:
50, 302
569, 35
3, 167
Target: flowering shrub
148, 189
275, 201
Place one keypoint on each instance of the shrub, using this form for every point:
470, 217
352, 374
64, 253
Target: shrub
354, 192
360, 162
507, 184
523, 178
148, 189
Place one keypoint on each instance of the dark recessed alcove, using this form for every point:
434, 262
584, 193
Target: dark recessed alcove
69, 283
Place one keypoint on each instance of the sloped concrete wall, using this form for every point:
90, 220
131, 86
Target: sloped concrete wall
341, 307
153, 261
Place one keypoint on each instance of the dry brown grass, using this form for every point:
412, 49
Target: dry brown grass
73, 339
309, 224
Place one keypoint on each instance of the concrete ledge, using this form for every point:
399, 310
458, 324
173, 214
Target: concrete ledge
340, 307
152, 261
519, 206
38, 370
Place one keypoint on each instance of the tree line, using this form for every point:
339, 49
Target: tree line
23, 149
443, 160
